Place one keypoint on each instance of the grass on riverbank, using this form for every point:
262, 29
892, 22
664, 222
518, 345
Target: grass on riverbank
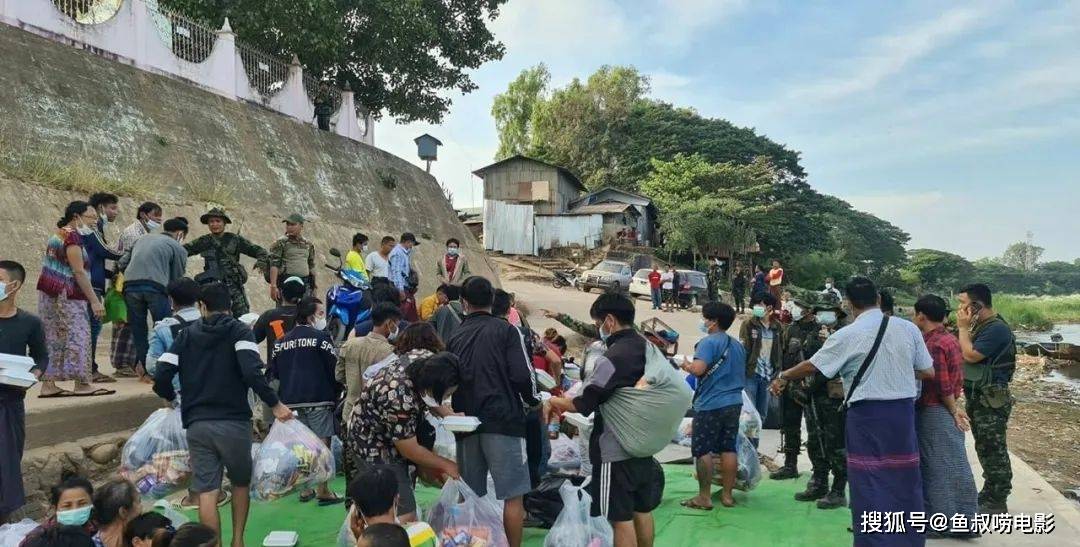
1038, 312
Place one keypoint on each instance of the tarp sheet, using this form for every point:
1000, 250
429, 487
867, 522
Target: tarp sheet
767, 516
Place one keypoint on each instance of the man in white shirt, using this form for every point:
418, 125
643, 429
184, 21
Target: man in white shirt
378, 262
882, 361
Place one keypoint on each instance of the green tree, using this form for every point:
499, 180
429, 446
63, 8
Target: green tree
405, 57
513, 110
931, 270
1023, 255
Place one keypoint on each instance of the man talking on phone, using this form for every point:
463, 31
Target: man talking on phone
989, 349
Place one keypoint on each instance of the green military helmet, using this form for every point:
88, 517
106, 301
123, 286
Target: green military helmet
216, 212
295, 218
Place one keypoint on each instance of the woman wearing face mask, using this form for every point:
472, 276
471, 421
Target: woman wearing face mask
384, 426
304, 361
115, 504
453, 267
71, 503
375, 495
64, 291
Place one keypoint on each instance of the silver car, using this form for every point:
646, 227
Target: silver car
607, 275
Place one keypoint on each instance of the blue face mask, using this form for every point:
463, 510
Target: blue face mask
703, 326
827, 318
604, 335
3, 291
452, 251
74, 517
759, 311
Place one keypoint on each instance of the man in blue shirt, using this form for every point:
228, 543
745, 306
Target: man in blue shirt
719, 368
401, 262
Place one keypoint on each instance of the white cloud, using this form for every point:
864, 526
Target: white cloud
890, 55
552, 28
674, 24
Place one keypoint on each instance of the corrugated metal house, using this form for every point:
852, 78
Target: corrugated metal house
621, 209
525, 206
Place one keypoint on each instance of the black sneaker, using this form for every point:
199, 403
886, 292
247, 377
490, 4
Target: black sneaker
785, 472
815, 489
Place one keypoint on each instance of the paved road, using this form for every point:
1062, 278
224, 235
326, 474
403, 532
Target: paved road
1031, 494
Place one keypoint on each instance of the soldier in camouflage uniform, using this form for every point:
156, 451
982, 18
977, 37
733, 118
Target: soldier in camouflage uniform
292, 256
989, 348
825, 426
799, 341
221, 252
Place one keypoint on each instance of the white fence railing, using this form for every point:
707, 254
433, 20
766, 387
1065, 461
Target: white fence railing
143, 34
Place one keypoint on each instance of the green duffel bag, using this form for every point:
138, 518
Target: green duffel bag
115, 308
645, 417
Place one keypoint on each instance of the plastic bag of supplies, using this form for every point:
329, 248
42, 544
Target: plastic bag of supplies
574, 527
463, 519
156, 457
290, 457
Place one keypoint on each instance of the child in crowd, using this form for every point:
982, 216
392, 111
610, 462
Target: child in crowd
141, 530
384, 535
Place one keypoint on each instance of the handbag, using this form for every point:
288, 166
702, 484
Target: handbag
866, 362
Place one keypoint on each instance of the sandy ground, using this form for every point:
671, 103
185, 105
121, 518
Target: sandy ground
1044, 435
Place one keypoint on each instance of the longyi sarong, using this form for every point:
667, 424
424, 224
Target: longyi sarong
948, 484
883, 472
12, 436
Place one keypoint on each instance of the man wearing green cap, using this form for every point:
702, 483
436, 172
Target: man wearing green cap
221, 252
798, 342
292, 256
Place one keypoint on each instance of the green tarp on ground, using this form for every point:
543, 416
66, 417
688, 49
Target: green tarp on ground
766, 516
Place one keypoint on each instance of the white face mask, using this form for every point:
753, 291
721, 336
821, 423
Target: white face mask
3, 291
796, 313
828, 286
152, 225
320, 323
393, 335
363, 248
84, 230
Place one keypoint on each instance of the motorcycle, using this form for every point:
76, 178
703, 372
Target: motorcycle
348, 302
564, 278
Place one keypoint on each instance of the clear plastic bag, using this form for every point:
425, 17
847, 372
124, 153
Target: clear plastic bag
290, 457
749, 419
11, 535
574, 527
345, 537
461, 518
156, 456
748, 474
565, 453
337, 448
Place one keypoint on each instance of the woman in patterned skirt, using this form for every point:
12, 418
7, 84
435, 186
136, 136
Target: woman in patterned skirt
63, 293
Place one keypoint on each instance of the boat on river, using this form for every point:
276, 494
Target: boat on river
1054, 350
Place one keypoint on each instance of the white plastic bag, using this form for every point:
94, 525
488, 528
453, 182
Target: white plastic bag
748, 474
345, 537
445, 443
460, 517
685, 435
166, 509
565, 453
574, 527
156, 457
290, 457
749, 419
11, 535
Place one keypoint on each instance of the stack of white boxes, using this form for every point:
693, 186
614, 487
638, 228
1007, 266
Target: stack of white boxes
15, 370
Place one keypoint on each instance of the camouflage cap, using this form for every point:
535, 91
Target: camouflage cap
216, 212
295, 218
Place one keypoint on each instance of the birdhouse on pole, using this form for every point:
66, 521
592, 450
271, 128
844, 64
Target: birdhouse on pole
427, 147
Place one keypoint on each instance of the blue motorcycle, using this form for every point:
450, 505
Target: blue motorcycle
348, 302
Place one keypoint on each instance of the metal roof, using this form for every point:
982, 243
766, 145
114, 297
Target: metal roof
605, 208
569, 174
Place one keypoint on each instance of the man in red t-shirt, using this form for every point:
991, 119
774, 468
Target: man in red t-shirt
654, 286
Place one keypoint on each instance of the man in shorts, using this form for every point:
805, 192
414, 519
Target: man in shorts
218, 361
303, 361
718, 365
625, 490
501, 387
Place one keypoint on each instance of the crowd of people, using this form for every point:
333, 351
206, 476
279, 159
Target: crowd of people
879, 393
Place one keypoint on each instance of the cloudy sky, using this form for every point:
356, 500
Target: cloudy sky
959, 122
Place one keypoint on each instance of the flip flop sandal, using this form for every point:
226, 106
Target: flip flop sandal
307, 496
324, 502
100, 378
96, 393
58, 394
691, 504
225, 499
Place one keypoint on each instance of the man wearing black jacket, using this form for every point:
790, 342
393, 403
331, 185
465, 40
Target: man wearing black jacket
624, 489
217, 360
497, 385
304, 361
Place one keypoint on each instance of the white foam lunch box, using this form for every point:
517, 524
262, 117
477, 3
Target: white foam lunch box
545, 380
461, 424
17, 378
15, 362
281, 538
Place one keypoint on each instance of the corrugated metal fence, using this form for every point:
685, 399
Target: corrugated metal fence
564, 230
508, 228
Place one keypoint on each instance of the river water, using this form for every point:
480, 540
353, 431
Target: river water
1070, 333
